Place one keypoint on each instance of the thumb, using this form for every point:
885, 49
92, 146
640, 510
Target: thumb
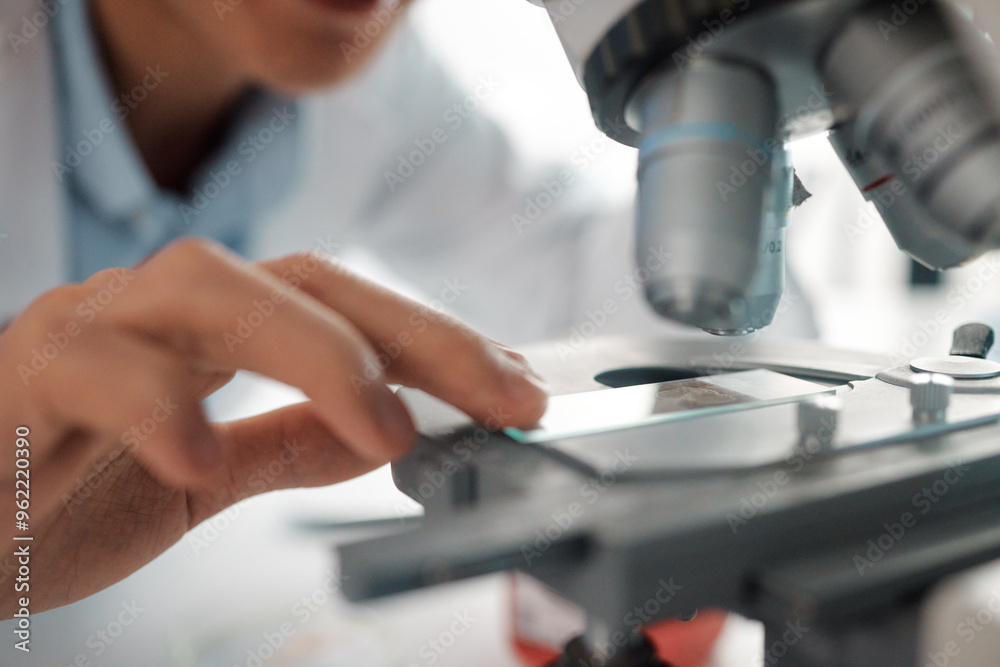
284, 449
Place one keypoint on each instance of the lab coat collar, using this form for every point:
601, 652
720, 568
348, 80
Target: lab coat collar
98, 144
32, 250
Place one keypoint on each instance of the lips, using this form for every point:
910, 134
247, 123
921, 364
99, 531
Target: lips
351, 6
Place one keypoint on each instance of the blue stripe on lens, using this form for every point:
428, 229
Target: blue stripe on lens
725, 132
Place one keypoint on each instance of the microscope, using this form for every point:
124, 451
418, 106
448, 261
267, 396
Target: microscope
712, 91
808, 488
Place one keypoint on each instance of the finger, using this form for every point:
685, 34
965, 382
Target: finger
204, 300
212, 382
288, 448
28, 348
520, 361
77, 413
136, 395
105, 284
425, 349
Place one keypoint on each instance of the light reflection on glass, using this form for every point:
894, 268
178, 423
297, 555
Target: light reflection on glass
573, 415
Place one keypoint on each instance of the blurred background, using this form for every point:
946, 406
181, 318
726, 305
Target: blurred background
225, 593
865, 293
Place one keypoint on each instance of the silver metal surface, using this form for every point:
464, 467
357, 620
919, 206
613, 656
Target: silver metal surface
817, 422
770, 529
873, 415
902, 376
713, 90
920, 106
958, 367
930, 396
703, 127
912, 226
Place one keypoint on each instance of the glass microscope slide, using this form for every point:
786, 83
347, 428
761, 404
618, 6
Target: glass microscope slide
604, 410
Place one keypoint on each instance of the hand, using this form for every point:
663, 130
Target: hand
109, 375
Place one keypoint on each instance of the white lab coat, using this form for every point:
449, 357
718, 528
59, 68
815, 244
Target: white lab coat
32, 253
447, 230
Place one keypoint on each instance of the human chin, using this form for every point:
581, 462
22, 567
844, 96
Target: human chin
298, 71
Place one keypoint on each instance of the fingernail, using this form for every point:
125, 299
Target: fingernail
521, 365
391, 417
524, 386
532, 373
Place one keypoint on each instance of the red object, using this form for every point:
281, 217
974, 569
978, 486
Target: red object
678, 643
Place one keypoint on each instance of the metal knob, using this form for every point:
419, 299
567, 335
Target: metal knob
818, 423
930, 394
972, 340
971, 344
